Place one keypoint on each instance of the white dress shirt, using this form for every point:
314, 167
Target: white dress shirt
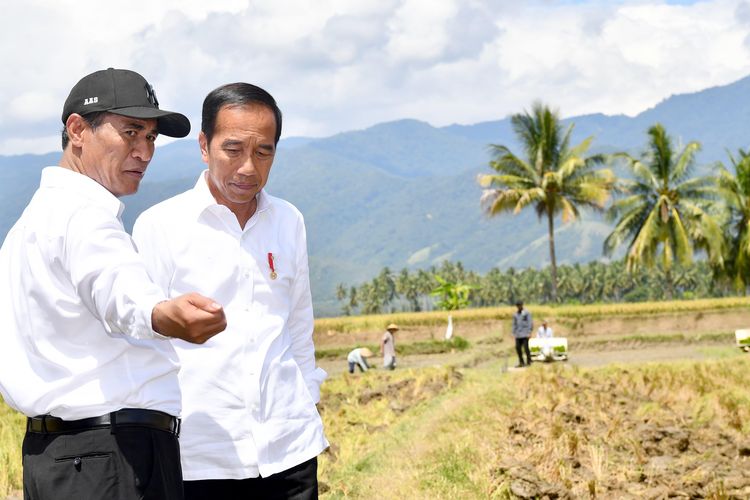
75, 309
544, 333
249, 393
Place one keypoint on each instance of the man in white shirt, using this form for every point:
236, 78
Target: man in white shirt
359, 357
545, 346
544, 331
83, 328
251, 428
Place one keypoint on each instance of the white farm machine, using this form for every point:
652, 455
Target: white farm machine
549, 349
743, 339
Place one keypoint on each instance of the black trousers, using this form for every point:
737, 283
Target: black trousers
522, 345
298, 483
352, 365
129, 463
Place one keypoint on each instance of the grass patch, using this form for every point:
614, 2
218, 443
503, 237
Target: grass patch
12, 429
402, 349
556, 430
721, 352
642, 339
449, 470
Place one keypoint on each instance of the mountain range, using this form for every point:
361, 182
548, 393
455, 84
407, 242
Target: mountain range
404, 193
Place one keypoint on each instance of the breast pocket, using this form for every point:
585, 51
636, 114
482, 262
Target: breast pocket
212, 267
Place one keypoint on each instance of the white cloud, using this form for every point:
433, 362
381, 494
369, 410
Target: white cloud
33, 106
417, 30
337, 65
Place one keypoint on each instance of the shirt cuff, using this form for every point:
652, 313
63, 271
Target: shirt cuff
313, 382
142, 328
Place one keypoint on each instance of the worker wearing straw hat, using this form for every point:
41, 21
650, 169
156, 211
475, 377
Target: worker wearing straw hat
388, 347
358, 357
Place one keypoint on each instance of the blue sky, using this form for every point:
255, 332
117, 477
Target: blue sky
338, 65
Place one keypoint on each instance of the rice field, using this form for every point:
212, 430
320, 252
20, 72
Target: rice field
352, 324
643, 430
679, 430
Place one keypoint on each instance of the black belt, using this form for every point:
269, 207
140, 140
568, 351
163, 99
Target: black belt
130, 417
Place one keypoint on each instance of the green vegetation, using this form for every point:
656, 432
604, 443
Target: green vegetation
12, 428
555, 178
595, 282
452, 296
665, 212
735, 191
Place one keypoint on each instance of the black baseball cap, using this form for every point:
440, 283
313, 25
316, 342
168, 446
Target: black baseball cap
123, 92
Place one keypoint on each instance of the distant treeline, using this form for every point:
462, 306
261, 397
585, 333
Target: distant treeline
595, 282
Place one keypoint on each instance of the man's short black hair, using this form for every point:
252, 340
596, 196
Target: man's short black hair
519, 303
93, 119
236, 94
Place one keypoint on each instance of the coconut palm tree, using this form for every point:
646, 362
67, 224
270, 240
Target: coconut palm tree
734, 189
551, 176
664, 211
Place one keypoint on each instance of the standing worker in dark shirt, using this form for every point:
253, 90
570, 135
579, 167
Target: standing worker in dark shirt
522, 327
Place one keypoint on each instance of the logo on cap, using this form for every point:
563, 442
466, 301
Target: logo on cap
151, 95
90, 100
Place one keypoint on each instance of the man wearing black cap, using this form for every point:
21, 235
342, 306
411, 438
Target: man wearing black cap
84, 352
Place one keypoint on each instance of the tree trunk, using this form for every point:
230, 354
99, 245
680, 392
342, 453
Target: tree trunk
669, 291
553, 260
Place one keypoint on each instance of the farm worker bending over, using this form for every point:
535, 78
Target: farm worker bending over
388, 347
84, 352
251, 428
358, 357
522, 327
544, 331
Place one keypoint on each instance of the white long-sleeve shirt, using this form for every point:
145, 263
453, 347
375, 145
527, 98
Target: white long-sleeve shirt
249, 393
544, 333
355, 356
75, 309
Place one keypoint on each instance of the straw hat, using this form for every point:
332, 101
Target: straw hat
365, 352
392, 326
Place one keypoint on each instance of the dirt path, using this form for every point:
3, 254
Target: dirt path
583, 357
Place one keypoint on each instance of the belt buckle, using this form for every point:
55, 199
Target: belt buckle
38, 424
177, 426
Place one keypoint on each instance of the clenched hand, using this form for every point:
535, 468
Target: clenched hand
190, 317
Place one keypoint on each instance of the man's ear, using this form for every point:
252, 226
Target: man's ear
203, 143
76, 125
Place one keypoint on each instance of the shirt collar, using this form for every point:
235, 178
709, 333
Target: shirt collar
81, 184
204, 200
